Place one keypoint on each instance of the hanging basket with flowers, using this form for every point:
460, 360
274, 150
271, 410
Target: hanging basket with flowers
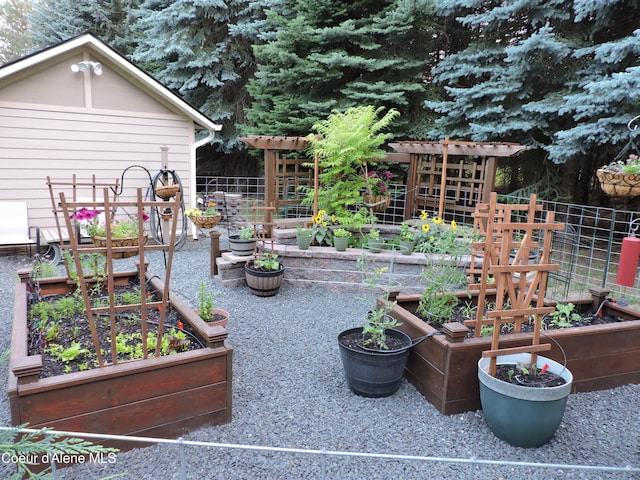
621, 178
377, 197
204, 219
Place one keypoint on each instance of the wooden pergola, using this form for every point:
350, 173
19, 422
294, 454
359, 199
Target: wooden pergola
469, 167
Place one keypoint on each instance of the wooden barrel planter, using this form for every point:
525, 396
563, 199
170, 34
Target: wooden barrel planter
263, 283
156, 396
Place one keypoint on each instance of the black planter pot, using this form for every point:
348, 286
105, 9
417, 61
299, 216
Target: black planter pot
261, 283
374, 373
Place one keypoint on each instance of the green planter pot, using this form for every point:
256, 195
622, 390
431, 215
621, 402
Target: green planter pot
407, 246
375, 244
341, 243
304, 241
523, 416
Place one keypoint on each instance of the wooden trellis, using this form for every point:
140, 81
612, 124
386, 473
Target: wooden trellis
520, 278
111, 251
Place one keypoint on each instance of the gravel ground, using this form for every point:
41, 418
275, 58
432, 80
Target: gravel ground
289, 391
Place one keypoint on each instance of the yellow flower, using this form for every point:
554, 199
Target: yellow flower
437, 220
425, 227
423, 215
324, 224
454, 225
322, 213
333, 219
431, 239
317, 219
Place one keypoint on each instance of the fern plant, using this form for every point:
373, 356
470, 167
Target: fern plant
347, 145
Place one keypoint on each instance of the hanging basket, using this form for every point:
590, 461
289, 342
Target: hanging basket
619, 184
120, 242
377, 203
167, 192
205, 221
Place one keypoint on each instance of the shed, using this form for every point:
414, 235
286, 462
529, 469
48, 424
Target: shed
81, 108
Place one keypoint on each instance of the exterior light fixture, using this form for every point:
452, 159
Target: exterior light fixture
86, 65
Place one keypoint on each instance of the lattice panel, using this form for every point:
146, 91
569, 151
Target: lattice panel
464, 185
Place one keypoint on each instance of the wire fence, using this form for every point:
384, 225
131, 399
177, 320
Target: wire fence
472, 467
588, 250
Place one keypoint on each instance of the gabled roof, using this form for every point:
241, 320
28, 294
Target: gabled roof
120, 62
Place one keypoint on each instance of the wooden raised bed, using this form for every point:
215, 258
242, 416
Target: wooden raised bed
157, 397
444, 367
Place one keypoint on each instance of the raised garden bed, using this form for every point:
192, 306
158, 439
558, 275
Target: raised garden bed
164, 396
444, 367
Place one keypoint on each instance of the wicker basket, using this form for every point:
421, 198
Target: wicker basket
619, 184
166, 192
378, 203
120, 242
205, 221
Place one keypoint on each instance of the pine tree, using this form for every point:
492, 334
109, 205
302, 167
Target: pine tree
202, 50
14, 25
54, 21
327, 55
559, 76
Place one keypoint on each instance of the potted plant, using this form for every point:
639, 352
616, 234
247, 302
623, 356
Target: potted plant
341, 239
124, 233
243, 244
264, 274
525, 402
374, 241
206, 310
621, 177
347, 146
303, 237
374, 355
407, 239
204, 218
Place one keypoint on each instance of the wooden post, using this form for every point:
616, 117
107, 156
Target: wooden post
215, 252
443, 177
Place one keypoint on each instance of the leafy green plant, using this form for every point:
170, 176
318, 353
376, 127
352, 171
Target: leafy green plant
444, 271
374, 233
347, 146
322, 231
406, 232
131, 297
246, 233
378, 321
205, 302
341, 233
42, 269
67, 354
564, 316
267, 261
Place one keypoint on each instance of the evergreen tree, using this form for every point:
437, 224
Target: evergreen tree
328, 55
559, 76
202, 49
14, 26
54, 21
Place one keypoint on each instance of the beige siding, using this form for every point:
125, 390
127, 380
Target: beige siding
41, 140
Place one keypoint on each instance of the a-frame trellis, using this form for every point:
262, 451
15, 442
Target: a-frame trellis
520, 277
66, 208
